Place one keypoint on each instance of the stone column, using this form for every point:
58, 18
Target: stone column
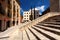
12, 13
16, 14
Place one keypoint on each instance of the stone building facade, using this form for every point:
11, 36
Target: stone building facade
35, 13
26, 16
9, 13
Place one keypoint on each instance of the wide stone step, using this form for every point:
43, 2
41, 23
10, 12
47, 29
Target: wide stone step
39, 35
20, 35
51, 35
48, 28
53, 23
16, 37
34, 34
51, 26
31, 36
25, 37
53, 31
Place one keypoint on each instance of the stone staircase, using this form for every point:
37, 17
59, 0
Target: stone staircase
48, 29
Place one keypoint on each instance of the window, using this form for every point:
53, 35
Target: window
24, 13
13, 23
14, 6
27, 18
2, 0
24, 18
17, 9
17, 22
9, 14
14, 14
17, 15
9, 4
27, 15
2, 11
0, 24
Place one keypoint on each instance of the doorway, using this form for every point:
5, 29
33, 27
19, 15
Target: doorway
0, 24
13, 23
8, 24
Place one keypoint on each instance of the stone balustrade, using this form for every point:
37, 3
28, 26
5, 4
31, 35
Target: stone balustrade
40, 19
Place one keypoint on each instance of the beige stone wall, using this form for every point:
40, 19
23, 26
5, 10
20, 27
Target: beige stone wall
17, 7
9, 6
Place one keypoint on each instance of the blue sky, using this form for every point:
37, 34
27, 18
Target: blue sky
41, 5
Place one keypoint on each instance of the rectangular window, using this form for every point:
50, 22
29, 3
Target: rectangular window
24, 18
2, 0
9, 4
27, 15
2, 11
9, 14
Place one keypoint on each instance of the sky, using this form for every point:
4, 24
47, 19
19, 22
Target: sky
41, 5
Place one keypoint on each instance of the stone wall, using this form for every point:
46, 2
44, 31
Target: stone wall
54, 5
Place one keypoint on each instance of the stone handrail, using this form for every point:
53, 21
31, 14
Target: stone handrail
40, 19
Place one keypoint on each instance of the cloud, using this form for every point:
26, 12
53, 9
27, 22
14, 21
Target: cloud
40, 8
